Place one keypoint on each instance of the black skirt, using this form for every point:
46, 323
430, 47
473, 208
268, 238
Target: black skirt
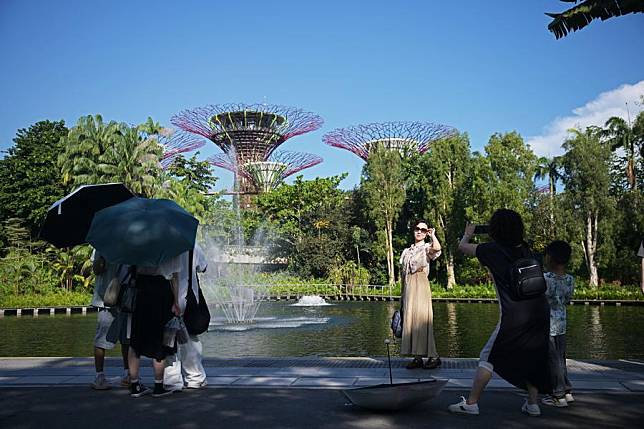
520, 350
154, 300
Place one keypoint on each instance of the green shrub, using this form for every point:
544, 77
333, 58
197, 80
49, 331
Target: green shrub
59, 298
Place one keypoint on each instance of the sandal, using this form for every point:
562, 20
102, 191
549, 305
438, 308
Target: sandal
416, 363
432, 363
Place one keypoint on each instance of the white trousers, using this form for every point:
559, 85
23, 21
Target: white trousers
185, 368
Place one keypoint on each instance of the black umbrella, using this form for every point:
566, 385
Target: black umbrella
69, 218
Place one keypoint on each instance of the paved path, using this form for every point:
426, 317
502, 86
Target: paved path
302, 393
79, 407
622, 376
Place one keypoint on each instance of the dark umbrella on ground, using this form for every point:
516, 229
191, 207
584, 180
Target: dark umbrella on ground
394, 396
142, 231
69, 218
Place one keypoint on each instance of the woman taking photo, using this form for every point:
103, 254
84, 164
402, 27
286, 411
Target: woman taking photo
418, 315
517, 350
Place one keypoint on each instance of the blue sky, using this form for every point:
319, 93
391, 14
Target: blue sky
482, 67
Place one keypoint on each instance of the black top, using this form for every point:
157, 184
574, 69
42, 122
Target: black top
520, 350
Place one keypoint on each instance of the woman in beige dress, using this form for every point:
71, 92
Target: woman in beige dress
418, 315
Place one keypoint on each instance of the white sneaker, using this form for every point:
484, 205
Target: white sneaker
464, 408
201, 385
554, 401
100, 383
532, 410
569, 398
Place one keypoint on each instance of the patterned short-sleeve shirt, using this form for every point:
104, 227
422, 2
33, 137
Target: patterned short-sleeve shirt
559, 293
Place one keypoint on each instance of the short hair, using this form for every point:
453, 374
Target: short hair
559, 252
506, 227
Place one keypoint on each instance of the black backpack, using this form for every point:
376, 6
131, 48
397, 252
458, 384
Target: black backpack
526, 276
197, 315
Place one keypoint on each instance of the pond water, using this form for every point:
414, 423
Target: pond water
340, 329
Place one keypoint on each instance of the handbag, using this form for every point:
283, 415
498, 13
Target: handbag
196, 317
397, 323
128, 298
111, 296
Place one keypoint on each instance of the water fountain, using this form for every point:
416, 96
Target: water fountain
311, 301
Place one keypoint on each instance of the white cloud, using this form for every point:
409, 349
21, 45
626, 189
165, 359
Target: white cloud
595, 112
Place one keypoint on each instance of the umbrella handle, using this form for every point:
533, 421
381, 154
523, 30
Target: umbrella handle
391, 380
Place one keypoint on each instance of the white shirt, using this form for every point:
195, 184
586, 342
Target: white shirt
166, 269
199, 264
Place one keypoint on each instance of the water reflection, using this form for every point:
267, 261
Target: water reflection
342, 329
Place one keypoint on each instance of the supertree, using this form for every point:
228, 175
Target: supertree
247, 132
267, 175
176, 143
406, 137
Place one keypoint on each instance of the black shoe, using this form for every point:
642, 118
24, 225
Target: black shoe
414, 364
137, 390
160, 391
432, 363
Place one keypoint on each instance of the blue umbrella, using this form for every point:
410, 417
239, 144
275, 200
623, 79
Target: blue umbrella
142, 231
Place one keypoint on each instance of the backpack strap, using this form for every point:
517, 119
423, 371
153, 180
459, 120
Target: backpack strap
190, 256
524, 248
190, 259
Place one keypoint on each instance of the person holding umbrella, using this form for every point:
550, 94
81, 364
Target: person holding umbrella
105, 272
157, 290
66, 225
149, 235
185, 369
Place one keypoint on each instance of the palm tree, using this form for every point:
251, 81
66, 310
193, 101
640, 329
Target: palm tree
132, 160
84, 144
620, 134
580, 15
551, 168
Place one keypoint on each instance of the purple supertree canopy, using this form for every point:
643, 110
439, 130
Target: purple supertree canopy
403, 136
267, 174
249, 131
176, 143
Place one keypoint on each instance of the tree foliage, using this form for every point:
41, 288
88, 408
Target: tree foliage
99, 152
29, 177
580, 15
587, 181
384, 188
310, 223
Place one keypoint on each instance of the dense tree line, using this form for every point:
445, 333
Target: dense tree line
590, 196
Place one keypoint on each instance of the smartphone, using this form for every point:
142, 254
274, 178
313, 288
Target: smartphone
481, 229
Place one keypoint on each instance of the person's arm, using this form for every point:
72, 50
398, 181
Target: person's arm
434, 250
464, 245
175, 292
571, 291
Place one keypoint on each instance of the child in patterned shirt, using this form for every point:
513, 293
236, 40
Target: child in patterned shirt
560, 287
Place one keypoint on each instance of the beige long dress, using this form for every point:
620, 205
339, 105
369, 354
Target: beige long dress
418, 314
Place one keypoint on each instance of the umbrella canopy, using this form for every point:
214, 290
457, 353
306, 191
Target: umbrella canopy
396, 396
142, 231
69, 218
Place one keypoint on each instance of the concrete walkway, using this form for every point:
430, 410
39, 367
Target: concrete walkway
621, 376
302, 393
